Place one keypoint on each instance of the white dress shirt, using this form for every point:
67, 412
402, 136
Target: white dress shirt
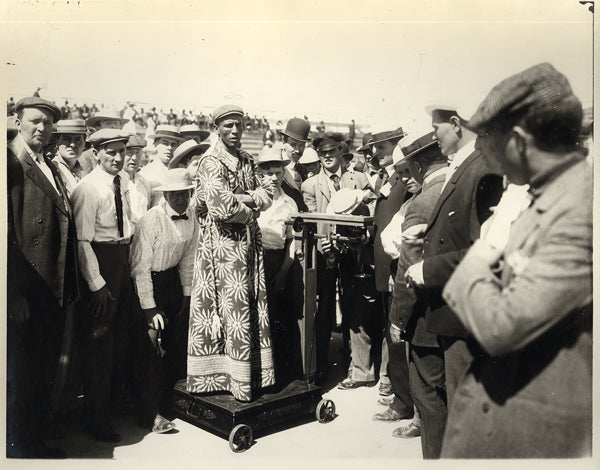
161, 243
272, 222
69, 178
96, 219
458, 158
154, 174
140, 194
41, 163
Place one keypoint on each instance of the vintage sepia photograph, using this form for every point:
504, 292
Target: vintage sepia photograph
318, 233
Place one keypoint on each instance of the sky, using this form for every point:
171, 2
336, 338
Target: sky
378, 62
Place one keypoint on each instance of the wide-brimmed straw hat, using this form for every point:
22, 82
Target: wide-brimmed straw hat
186, 151
175, 179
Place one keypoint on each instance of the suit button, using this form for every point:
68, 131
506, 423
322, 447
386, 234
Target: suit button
39, 220
441, 241
485, 407
36, 241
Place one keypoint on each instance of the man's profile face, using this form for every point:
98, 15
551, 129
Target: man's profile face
70, 146
331, 159
297, 147
165, 147
446, 135
36, 127
112, 156
230, 130
384, 151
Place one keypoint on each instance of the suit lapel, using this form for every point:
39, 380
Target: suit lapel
33, 172
324, 186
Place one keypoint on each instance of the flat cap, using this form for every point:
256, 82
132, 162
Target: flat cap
36, 102
105, 136
537, 89
227, 110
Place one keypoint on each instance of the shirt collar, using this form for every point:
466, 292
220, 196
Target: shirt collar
463, 154
36, 156
330, 174
435, 174
390, 170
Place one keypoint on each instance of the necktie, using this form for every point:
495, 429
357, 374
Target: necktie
336, 182
179, 217
118, 203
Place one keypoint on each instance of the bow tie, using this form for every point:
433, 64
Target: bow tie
179, 217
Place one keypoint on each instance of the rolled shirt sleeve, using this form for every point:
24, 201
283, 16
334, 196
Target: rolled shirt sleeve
141, 258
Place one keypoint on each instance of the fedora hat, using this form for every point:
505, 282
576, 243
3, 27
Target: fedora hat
346, 153
328, 141
272, 155
106, 114
309, 156
36, 102
387, 135
416, 145
168, 131
175, 179
297, 129
70, 126
193, 129
184, 153
344, 201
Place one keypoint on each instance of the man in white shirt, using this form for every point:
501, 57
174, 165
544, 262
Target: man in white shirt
279, 254
162, 263
140, 191
166, 140
70, 142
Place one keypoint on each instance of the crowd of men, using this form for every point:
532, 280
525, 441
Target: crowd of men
469, 300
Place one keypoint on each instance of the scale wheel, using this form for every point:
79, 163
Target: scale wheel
240, 438
325, 411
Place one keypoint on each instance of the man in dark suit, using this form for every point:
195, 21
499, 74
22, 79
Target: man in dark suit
428, 166
42, 278
317, 191
470, 189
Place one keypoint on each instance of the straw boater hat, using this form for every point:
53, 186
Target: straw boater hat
168, 131
272, 155
193, 129
309, 156
175, 179
35, 102
70, 126
106, 136
297, 129
184, 153
106, 114
344, 201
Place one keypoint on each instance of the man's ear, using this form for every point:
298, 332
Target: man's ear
17, 121
455, 121
523, 139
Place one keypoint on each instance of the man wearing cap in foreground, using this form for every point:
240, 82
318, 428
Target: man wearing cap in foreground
392, 193
166, 140
162, 262
428, 166
229, 345
317, 192
70, 142
471, 188
42, 278
524, 290
104, 229
279, 255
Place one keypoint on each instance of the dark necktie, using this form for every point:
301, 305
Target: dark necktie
336, 181
179, 217
118, 203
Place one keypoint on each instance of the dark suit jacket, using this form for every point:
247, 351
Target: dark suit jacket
42, 244
385, 209
454, 226
295, 195
408, 305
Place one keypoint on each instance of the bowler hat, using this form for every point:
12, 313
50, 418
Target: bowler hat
70, 126
185, 151
272, 155
105, 136
106, 114
36, 102
226, 110
175, 179
193, 129
540, 88
328, 142
388, 135
309, 156
297, 129
168, 131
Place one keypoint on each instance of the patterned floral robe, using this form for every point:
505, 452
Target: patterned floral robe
229, 346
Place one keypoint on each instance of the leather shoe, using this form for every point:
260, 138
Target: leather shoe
352, 384
105, 433
407, 432
385, 390
389, 415
385, 401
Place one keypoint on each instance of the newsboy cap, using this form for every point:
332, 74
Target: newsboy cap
537, 89
106, 136
328, 141
36, 102
227, 110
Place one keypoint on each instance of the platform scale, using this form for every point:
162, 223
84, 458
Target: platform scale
296, 402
